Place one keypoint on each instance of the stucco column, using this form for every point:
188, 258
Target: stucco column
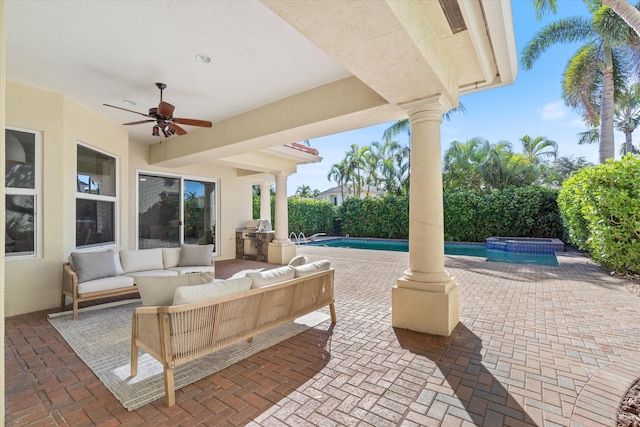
265, 201
281, 250
426, 298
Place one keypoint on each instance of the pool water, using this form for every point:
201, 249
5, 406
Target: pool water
468, 249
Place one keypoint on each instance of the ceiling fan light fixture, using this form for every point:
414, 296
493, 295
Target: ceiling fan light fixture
166, 133
203, 58
156, 131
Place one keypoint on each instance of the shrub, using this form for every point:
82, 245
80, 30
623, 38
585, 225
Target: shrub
601, 209
310, 216
384, 217
470, 216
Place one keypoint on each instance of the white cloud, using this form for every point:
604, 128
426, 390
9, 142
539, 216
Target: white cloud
553, 111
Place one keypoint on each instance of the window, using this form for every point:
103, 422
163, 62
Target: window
22, 192
96, 198
174, 210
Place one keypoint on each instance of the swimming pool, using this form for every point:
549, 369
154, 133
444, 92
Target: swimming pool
450, 248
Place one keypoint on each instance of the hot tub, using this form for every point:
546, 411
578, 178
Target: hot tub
529, 245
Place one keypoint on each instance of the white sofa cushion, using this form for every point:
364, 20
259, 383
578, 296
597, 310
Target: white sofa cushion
104, 284
170, 257
298, 260
189, 294
314, 267
159, 290
141, 260
93, 265
193, 269
191, 255
269, 277
152, 273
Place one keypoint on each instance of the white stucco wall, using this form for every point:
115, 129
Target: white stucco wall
34, 283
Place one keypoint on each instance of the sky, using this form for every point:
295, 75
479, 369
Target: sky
532, 106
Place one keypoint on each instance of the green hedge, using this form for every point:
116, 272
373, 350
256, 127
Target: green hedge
305, 215
385, 217
601, 209
514, 212
469, 216
311, 216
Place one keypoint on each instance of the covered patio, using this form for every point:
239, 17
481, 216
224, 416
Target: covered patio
552, 346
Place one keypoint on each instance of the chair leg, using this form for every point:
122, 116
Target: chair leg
169, 387
75, 309
134, 359
332, 307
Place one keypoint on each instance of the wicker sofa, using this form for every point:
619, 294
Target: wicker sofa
96, 275
197, 324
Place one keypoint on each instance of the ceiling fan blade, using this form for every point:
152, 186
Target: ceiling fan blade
193, 122
124, 109
139, 122
165, 109
177, 128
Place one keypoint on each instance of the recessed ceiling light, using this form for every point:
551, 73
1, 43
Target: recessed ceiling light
202, 58
128, 102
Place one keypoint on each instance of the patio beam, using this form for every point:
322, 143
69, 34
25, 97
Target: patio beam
335, 107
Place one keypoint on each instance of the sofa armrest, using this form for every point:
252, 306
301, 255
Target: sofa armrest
69, 281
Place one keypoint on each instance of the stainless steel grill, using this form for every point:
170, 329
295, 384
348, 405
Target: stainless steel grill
250, 236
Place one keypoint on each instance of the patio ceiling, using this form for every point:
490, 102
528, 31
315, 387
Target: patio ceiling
282, 70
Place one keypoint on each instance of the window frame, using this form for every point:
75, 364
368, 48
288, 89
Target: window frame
99, 198
36, 192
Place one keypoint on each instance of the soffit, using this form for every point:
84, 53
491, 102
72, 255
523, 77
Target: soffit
282, 70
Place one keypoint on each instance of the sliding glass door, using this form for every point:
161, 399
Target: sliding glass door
199, 212
174, 210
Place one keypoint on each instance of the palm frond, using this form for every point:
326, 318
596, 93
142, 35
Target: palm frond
568, 30
590, 136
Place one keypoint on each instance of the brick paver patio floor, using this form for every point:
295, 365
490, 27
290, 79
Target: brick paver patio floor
535, 346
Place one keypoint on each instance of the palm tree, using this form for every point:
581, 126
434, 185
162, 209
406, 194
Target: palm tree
503, 168
627, 114
338, 173
592, 73
536, 148
305, 192
355, 160
626, 120
462, 161
624, 9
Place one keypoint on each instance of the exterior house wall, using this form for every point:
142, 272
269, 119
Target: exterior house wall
234, 195
33, 284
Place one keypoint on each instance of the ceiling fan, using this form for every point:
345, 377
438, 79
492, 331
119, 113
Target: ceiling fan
163, 117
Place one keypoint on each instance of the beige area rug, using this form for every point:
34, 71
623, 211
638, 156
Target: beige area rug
102, 339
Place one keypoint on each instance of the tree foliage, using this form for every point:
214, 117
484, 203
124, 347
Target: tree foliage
601, 209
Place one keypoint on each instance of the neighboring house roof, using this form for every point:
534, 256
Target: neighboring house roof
347, 191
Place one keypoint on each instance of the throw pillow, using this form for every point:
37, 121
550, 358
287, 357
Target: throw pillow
269, 277
314, 267
191, 255
170, 257
141, 260
189, 294
299, 260
159, 290
93, 265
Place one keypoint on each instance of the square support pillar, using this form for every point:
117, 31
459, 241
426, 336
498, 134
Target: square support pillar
281, 252
432, 309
